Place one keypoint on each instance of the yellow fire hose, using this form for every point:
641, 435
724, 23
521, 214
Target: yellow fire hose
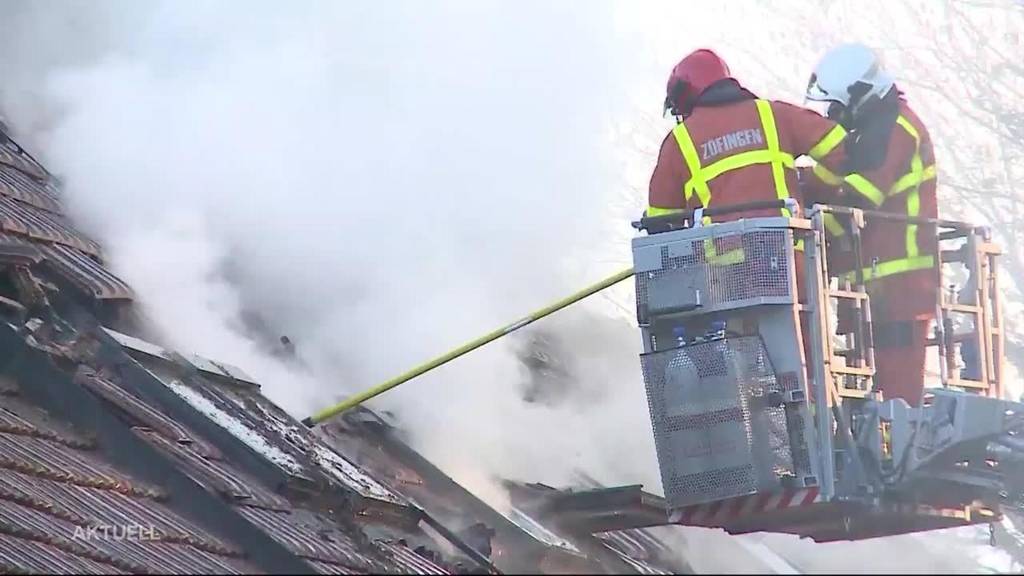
467, 347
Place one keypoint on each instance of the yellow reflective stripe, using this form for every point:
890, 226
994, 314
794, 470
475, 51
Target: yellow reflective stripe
911, 179
893, 267
913, 209
744, 159
866, 188
918, 172
902, 121
700, 176
728, 258
734, 256
828, 143
832, 225
655, 211
826, 175
778, 159
697, 183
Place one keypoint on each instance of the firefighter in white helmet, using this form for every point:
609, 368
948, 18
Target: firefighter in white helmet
891, 168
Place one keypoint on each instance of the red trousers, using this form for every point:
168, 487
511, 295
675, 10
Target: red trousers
902, 307
901, 312
899, 366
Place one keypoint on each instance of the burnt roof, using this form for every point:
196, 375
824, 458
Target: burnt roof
34, 226
593, 530
112, 460
123, 442
103, 432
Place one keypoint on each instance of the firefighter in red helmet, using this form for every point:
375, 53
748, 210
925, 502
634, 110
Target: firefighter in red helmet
731, 147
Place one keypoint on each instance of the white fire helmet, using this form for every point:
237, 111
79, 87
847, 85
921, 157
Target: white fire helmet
849, 71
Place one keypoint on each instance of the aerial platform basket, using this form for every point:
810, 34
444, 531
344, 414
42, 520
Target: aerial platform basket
740, 351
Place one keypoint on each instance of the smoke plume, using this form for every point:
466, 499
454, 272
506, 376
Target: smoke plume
377, 182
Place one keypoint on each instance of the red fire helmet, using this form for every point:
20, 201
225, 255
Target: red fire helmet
700, 69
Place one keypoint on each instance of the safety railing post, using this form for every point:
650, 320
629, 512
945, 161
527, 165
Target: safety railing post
818, 368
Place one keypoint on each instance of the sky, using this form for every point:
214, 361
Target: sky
384, 181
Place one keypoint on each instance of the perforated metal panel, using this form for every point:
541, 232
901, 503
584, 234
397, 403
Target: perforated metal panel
718, 273
720, 426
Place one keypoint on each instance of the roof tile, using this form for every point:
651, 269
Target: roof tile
223, 479
54, 485
53, 489
11, 423
53, 461
24, 218
86, 273
21, 162
42, 459
27, 556
328, 568
408, 560
308, 537
18, 249
18, 526
146, 415
137, 547
87, 506
15, 184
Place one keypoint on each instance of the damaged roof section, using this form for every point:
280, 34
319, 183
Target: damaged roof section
15, 156
308, 514
146, 352
229, 398
102, 429
307, 476
18, 250
601, 520
22, 218
31, 217
605, 509
85, 273
599, 535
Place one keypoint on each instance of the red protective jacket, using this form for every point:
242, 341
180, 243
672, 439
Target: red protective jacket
725, 123
899, 259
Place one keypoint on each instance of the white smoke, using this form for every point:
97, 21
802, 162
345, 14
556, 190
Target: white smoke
380, 183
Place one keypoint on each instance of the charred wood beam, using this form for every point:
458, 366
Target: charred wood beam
606, 509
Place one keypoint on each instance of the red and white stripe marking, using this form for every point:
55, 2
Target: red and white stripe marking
720, 512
